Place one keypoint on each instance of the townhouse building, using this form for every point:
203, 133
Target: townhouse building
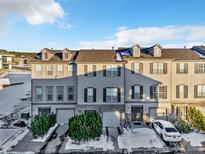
136, 83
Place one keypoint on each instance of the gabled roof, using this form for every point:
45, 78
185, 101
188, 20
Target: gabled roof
96, 55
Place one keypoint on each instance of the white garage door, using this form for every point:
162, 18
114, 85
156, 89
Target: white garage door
153, 113
63, 115
111, 119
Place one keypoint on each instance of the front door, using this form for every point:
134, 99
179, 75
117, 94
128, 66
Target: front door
137, 114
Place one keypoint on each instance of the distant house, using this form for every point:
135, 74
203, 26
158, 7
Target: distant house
6, 60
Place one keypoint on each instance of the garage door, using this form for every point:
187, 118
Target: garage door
153, 113
111, 119
63, 115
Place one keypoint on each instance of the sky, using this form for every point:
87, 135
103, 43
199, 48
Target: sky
31, 25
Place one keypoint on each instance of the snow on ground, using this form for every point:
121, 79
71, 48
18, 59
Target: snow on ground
13, 138
9, 96
138, 138
194, 138
92, 144
45, 137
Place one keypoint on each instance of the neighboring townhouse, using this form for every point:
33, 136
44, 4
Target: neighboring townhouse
6, 60
136, 83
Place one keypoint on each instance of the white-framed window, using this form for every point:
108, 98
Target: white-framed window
90, 94
60, 92
66, 55
44, 111
46, 55
111, 71
111, 94
181, 68
158, 68
90, 70
49, 70
200, 67
137, 92
49, 93
70, 93
39, 93
38, 69
201, 91
70, 70
60, 70
181, 91
154, 91
137, 68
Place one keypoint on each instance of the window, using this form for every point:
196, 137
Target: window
136, 68
60, 91
46, 55
70, 93
201, 91
44, 111
90, 95
163, 92
60, 70
153, 92
111, 71
38, 70
49, 93
182, 68
200, 68
181, 91
158, 68
66, 55
70, 70
39, 94
49, 70
137, 92
90, 70
111, 94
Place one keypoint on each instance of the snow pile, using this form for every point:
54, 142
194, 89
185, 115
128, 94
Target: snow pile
45, 137
14, 140
194, 138
92, 144
139, 138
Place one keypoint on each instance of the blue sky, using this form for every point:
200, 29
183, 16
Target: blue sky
30, 25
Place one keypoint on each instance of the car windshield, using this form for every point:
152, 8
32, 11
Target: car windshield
170, 129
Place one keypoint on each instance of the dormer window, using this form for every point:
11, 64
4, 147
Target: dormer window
66, 55
46, 55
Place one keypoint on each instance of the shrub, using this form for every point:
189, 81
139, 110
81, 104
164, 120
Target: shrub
85, 126
196, 119
182, 126
41, 124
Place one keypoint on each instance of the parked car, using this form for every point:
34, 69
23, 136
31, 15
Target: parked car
166, 130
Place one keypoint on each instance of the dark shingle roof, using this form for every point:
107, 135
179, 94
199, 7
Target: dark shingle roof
96, 56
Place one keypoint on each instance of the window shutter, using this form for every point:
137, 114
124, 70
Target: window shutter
165, 92
85, 70
177, 68
94, 70
185, 91
119, 94
104, 94
165, 68
151, 92
104, 70
177, 91
186, 68
141, 68
151, 68
119, 70
141, 92
132, 91
196, 69
195, 91
94, 94
85, 95
133, 68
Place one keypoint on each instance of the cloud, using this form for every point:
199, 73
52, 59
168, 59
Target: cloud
36, 12
63, 25
146, 36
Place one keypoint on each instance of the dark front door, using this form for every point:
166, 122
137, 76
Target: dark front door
137, 114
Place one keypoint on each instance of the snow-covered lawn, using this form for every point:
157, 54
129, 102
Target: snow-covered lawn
46, 136
194, 138
92, 144
139, 138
